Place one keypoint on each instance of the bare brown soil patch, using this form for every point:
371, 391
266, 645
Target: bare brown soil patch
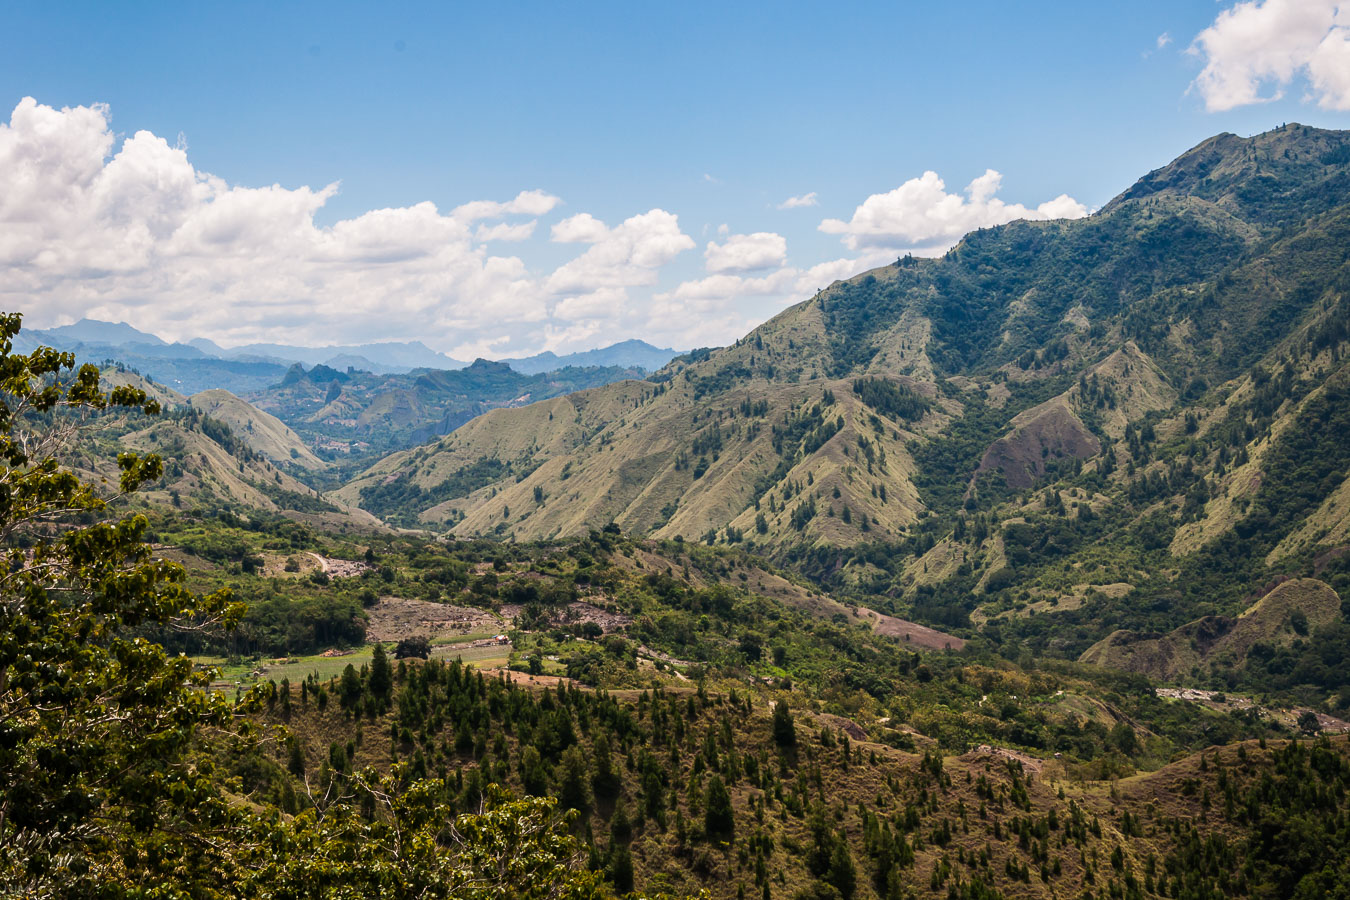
396, 618
525, 679
912, 632
577, 612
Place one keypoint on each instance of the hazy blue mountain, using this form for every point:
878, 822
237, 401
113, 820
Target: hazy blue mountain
396, 394
92, 338
92, 331
193, 375
209, 347
626, 354
344, 361
387, 356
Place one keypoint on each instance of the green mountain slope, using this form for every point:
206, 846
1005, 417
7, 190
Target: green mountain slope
264, 433
1130, 421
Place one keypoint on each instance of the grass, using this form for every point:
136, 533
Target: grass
296, 669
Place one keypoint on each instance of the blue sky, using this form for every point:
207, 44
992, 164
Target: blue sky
713, 116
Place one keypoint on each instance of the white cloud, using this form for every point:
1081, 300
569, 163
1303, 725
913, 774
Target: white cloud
1255, 50
601, 303
582, 228
526, 203
920, 215
798, 202
722, 307
1163, 40
504, 231
746, 252
627, 255
129, 230
720, 289
822, 275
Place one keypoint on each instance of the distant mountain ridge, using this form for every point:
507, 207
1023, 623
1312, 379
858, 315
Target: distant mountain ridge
382, 358
130, 345
92, 335
92, 331
631, 354
252, 370
346, 412
341, 400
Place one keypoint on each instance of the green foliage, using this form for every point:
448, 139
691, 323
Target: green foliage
1286, 808
417, 846
105, 789
96, 725
719, 820
401, 500
784, 729
891, 398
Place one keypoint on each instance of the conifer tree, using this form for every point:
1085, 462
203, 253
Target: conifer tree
719, 820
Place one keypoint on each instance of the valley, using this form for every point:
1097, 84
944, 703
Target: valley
1014, 572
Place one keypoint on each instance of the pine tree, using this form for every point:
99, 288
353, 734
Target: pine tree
784, 730
573, 791
381, 675
719, 820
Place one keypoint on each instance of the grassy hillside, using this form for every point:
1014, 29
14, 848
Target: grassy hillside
1056, 431
208, 464
1287, 614
265, 434
714, 722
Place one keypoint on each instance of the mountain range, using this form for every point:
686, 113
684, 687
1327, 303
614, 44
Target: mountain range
1149, 403
201, 364
625, 354
1081, 435
1019, 572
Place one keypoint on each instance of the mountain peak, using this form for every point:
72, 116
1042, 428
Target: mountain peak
1273, 179
93, 331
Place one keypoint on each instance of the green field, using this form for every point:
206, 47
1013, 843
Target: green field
298, 668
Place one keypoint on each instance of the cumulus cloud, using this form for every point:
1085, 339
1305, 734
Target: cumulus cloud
526, 203
627, 255
1254, 51
719, 289
505, 231
722, 307
746, 252
1163, 40
582, 228
130, 230
716, 309
921, 215
137, 233
799, 202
